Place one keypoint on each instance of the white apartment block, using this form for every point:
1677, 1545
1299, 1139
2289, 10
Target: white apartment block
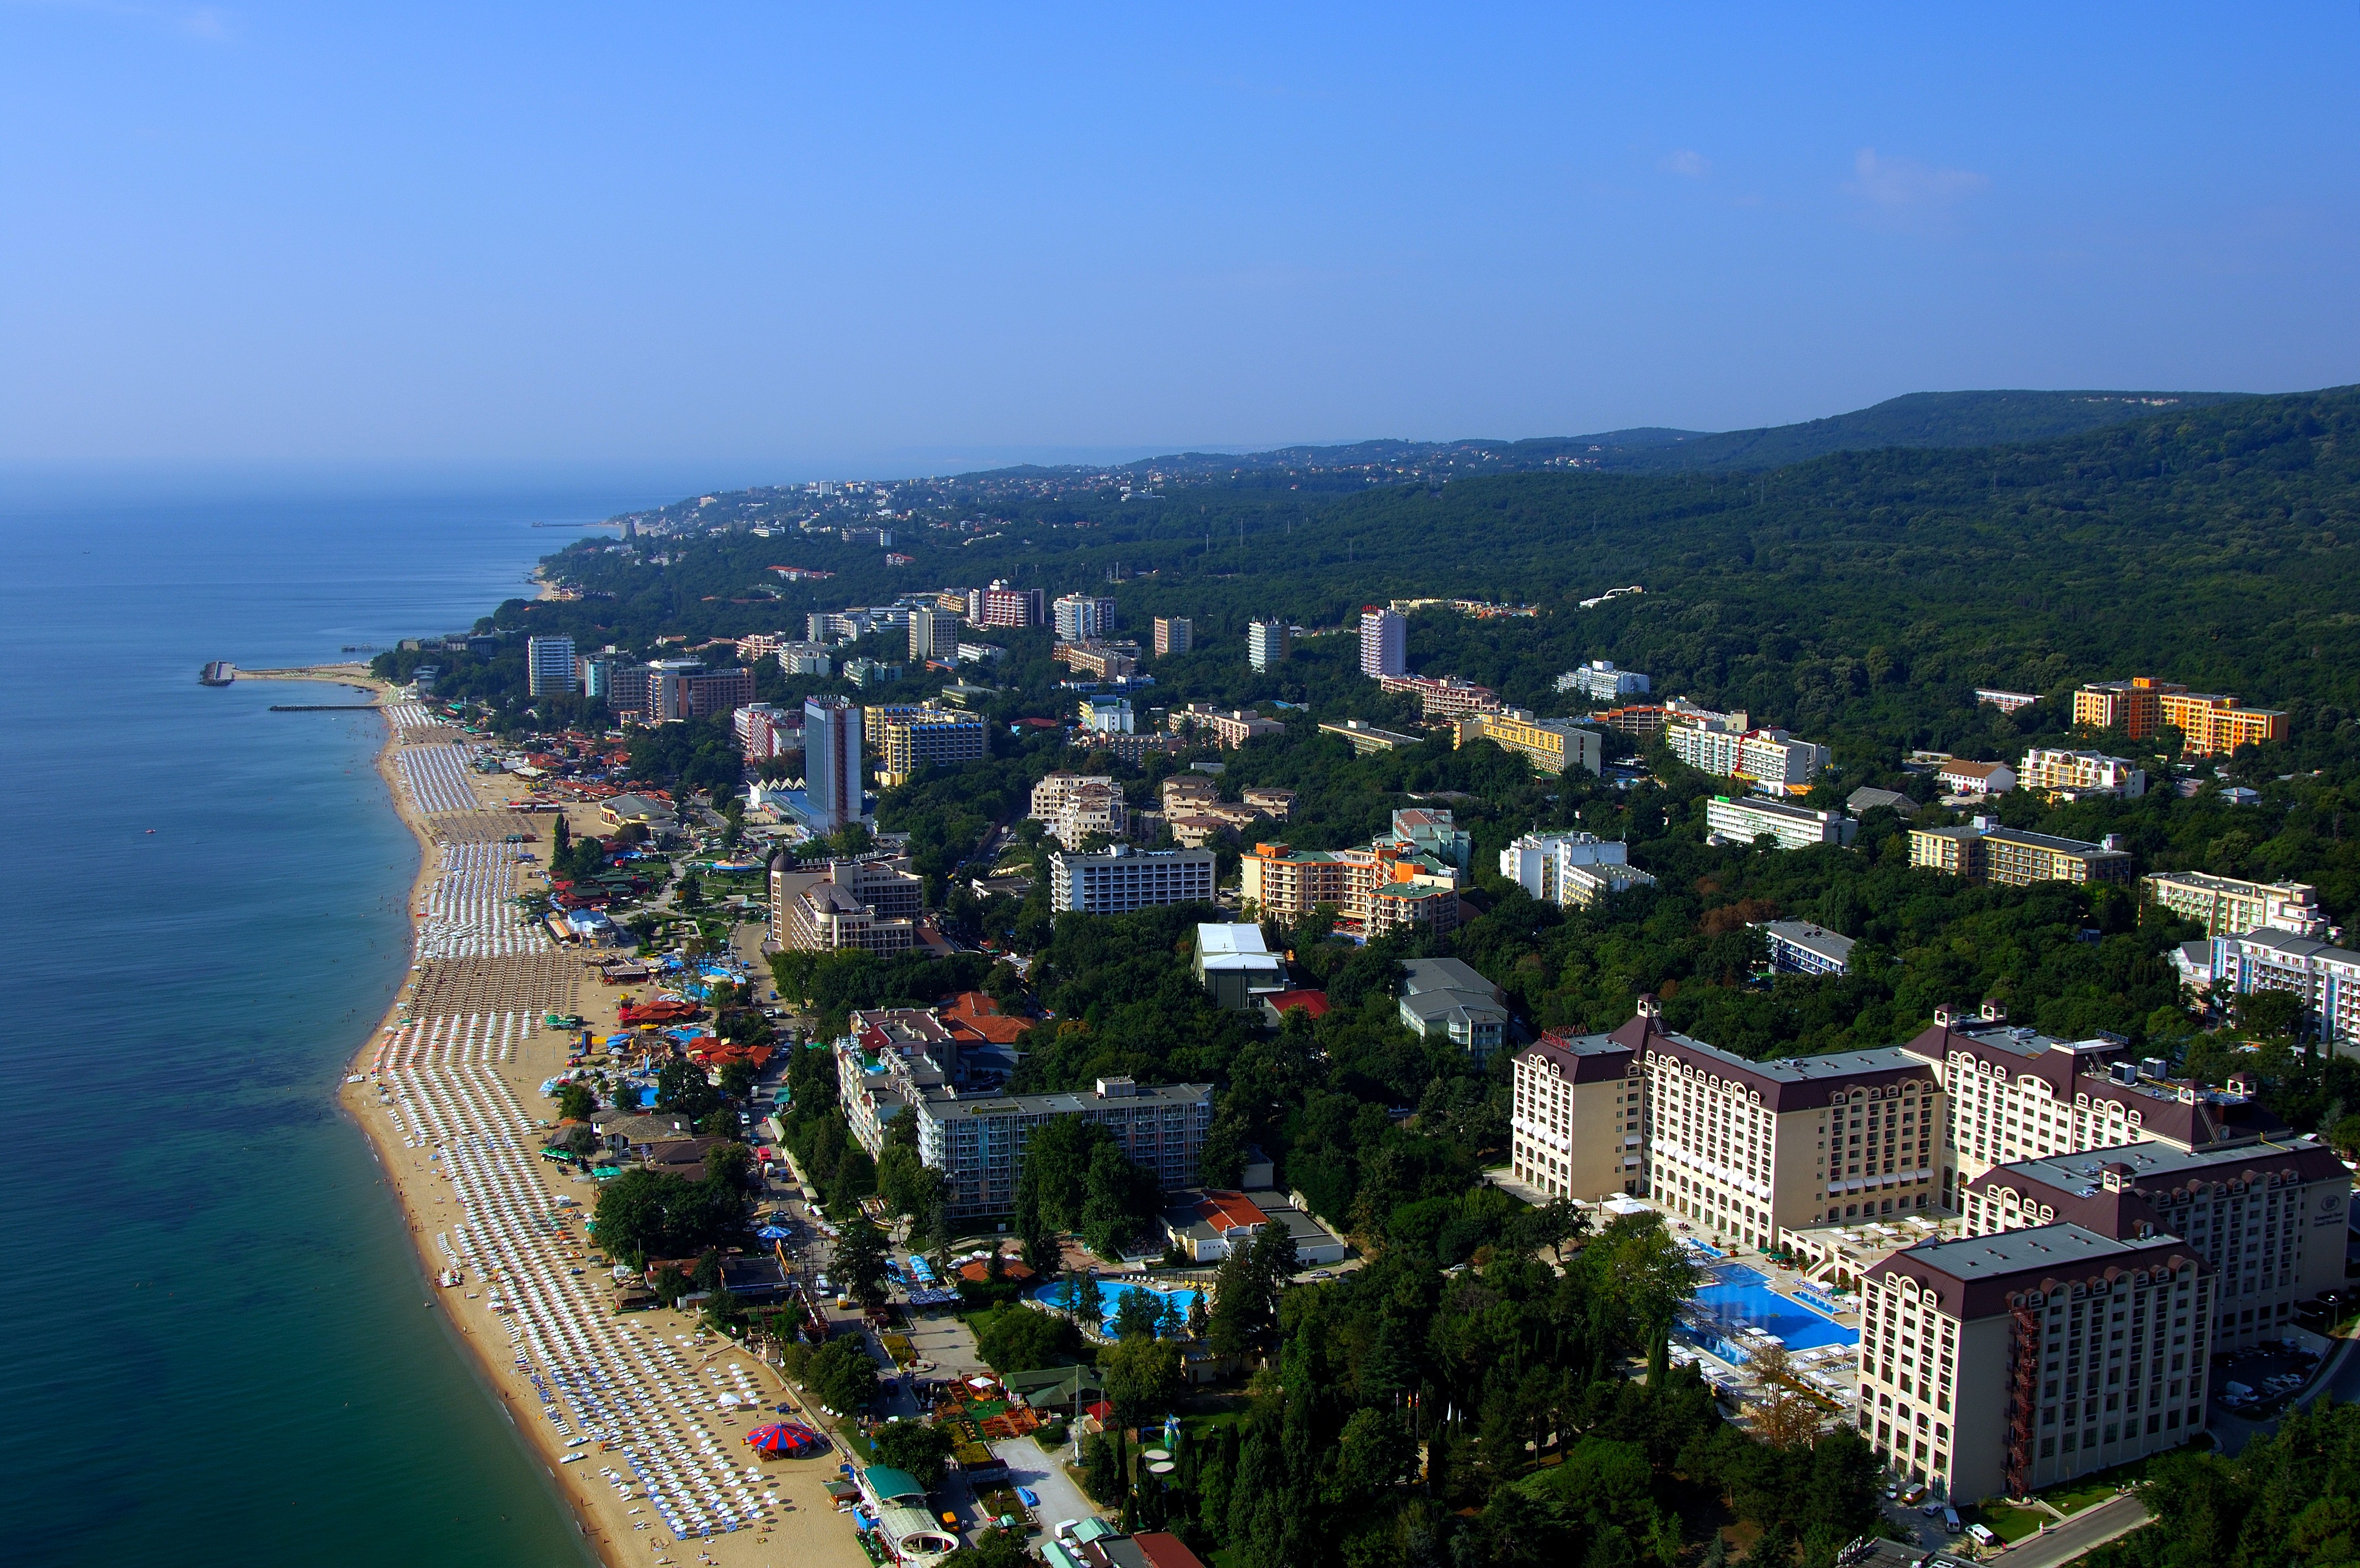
549, 666
1766, 756
1384, 642
2078, 773
1118, 880
2226, 905
1571, 869
2326, 978
1075, 805
1083, 617
1999, 1364
2268, 1219
1728, 821
977, 1143
1601, 682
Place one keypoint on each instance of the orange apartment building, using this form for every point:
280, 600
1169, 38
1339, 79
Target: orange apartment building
1382, 885
2211, 724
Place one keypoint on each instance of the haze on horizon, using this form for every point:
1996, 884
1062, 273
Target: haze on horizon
780, 244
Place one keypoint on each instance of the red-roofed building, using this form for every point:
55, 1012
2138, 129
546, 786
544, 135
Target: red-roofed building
972, 1013
1276, 1004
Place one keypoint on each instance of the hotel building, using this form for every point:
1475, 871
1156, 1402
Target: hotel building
1384, 643
1550, 744
1173, 634
2074, 774
2326, 978
1579, 1105
1075, 805
2015, 858
2016, 1094
2268, 1219
2210, 722
929, 737
978, 1143
1766, 756
2228, 907
1267, 643
1728, 821
2000, 1364
549, 666
1118, 880
1442, 696
1384, 885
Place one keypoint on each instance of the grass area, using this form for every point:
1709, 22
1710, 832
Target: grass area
855, 1440
2010, 1525
2080, 1495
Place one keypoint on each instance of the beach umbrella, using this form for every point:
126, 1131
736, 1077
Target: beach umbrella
773, 1233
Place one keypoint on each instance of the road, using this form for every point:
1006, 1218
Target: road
2340, 1378
2092, 1528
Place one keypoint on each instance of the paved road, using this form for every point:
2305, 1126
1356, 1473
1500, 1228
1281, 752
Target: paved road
2092, 1528
2340, 1378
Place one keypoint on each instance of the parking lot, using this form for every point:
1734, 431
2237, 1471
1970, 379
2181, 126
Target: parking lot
2252, 1383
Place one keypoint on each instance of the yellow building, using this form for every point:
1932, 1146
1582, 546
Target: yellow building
2214, 725
2210, 722
1553, 744
2133, 706
938, 736
2014, 858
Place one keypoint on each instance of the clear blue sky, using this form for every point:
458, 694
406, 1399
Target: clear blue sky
763, 236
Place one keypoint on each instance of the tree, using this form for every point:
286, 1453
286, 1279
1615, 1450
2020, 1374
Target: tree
1102, 1474
1142, 1377
1018, 1339
861, 1261
841, 1372
993, 1548
575, 1103
916, 1447
1136, 1313
682, 1089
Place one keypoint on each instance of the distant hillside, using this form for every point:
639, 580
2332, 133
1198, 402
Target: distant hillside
1919, 419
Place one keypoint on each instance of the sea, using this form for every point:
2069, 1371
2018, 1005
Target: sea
219, 1347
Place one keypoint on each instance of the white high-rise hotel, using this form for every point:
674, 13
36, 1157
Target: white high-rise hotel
1384, 643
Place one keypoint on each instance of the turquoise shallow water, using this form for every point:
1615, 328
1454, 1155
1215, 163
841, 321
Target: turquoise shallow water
217, 1350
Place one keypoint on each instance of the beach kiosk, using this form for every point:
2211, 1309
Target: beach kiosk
900, 1503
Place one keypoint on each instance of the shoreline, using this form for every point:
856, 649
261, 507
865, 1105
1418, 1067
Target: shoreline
419, 1180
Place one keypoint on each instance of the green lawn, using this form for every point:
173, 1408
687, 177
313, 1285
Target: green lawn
2073, 1498
2010, 1525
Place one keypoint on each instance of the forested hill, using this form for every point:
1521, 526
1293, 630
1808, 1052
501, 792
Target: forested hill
1858, 596
1919, 419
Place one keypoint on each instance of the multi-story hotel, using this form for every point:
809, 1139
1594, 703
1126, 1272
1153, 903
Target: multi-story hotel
1118, 880
2014, 858
1267, 643
1551, 744
1601, 682
1384, 642
1801, 947
1999, 1364
2228, 907
1384, 885
2214, 726
1730, 821
1766, 756
1002, 605
549, 666
2268, 1219
2210, 722
1173, 634
832, 775
1083, 617
977, 1143
1441, 696
2016, 1094
934, 634
828, 916
1572, 869
1105, 662
1227, 726
1577, 1123
2076, 774
1076, 805
2326, 978
1741, 1148
928, 738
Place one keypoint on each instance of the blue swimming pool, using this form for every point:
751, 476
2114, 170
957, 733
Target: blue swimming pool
1110, 1292
1739, 1298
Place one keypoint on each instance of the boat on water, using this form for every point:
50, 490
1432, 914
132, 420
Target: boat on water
220, 673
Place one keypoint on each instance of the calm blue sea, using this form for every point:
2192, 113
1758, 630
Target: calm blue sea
215, 1346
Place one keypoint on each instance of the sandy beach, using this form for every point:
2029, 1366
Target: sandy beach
624, 1410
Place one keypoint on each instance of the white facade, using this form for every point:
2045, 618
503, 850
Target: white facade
1384, 643
1119, 880
2083, 772
1106, 715
1538, 863
832, 775
1601, 682
1083, 617
934, 634
549, 666
1073, 806
1794, 827
2326, 978
1266, 644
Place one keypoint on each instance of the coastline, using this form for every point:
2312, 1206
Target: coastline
373, 1094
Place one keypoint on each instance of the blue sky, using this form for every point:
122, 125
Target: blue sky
771, 238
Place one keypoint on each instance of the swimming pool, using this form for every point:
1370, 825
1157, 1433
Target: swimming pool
1110, 1294
1739, 1297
